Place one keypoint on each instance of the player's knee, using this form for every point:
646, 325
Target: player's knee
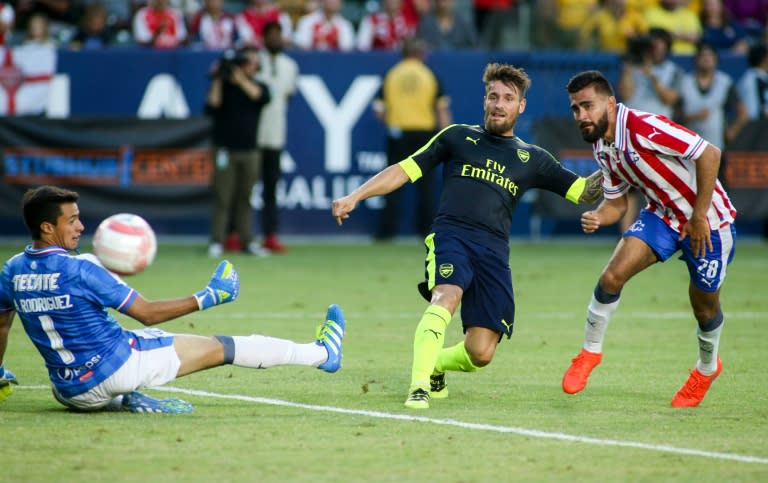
446, 297
705, 305
705, 313
611, 281
481, 357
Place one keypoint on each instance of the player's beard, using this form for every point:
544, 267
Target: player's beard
598, 129
499, 129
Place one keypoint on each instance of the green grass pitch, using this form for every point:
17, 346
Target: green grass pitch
510, 421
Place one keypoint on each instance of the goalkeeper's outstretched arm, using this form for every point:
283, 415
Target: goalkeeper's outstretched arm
224, 287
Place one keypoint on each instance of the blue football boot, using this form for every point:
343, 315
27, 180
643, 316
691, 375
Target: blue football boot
330, 335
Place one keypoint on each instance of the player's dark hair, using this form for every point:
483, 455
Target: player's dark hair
508, 75
43, 204
593, 78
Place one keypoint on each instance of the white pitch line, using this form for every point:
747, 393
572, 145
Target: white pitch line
413, 315
477, 426
662, 448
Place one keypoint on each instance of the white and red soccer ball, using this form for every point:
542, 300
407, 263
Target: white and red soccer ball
125, 244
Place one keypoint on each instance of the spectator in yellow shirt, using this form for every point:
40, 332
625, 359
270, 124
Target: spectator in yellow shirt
571, 15
682, 23
611, 26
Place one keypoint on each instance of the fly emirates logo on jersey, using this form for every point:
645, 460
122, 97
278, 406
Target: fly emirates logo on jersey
492, 172
35, 282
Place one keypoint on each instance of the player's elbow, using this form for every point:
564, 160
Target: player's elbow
143, 312
147, 320
715, 152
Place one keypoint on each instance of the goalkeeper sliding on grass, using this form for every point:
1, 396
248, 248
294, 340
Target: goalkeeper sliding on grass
93, 363
486, 171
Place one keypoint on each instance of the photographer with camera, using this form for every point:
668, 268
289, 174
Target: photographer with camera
234, 103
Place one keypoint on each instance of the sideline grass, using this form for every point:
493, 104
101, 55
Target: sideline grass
649, 348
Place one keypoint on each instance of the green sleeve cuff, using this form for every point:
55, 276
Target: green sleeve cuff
576, 190
411, 169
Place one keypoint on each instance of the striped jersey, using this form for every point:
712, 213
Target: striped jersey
62, 302
658, 157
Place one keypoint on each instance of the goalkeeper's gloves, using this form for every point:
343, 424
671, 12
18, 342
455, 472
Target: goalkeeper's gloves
6, 379
223, 287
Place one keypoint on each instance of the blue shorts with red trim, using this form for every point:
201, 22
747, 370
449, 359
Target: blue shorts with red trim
707, 273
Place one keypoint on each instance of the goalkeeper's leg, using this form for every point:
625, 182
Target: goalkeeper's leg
260, 351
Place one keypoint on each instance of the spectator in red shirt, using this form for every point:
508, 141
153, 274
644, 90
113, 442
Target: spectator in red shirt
212, 26
385, 29
413, 10
160, 26
251, 21
325, 29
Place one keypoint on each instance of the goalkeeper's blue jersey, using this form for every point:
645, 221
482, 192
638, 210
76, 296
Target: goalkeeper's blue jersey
62, 301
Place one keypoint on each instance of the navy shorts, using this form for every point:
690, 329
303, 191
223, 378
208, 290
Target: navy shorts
482, 273
706, 273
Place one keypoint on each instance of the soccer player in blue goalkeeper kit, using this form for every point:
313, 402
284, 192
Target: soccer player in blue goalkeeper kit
94, 363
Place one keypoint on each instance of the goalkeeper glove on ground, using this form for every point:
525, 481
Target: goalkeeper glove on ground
6, 379
223, 287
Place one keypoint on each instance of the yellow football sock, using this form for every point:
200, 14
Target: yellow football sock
427, 342
455, 358
5, 391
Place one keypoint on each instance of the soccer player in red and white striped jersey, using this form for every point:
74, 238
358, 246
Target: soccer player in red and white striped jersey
688, 210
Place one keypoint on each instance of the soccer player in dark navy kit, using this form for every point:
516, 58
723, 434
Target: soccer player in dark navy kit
93, 363
486, 171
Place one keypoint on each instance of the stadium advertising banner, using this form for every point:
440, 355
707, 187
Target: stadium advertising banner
159, 168
125, 128
128, 132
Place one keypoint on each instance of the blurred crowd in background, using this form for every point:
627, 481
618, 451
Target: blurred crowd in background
344, 25
651, 36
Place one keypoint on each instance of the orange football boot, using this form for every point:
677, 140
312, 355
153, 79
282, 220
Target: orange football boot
575, 378
695, 388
